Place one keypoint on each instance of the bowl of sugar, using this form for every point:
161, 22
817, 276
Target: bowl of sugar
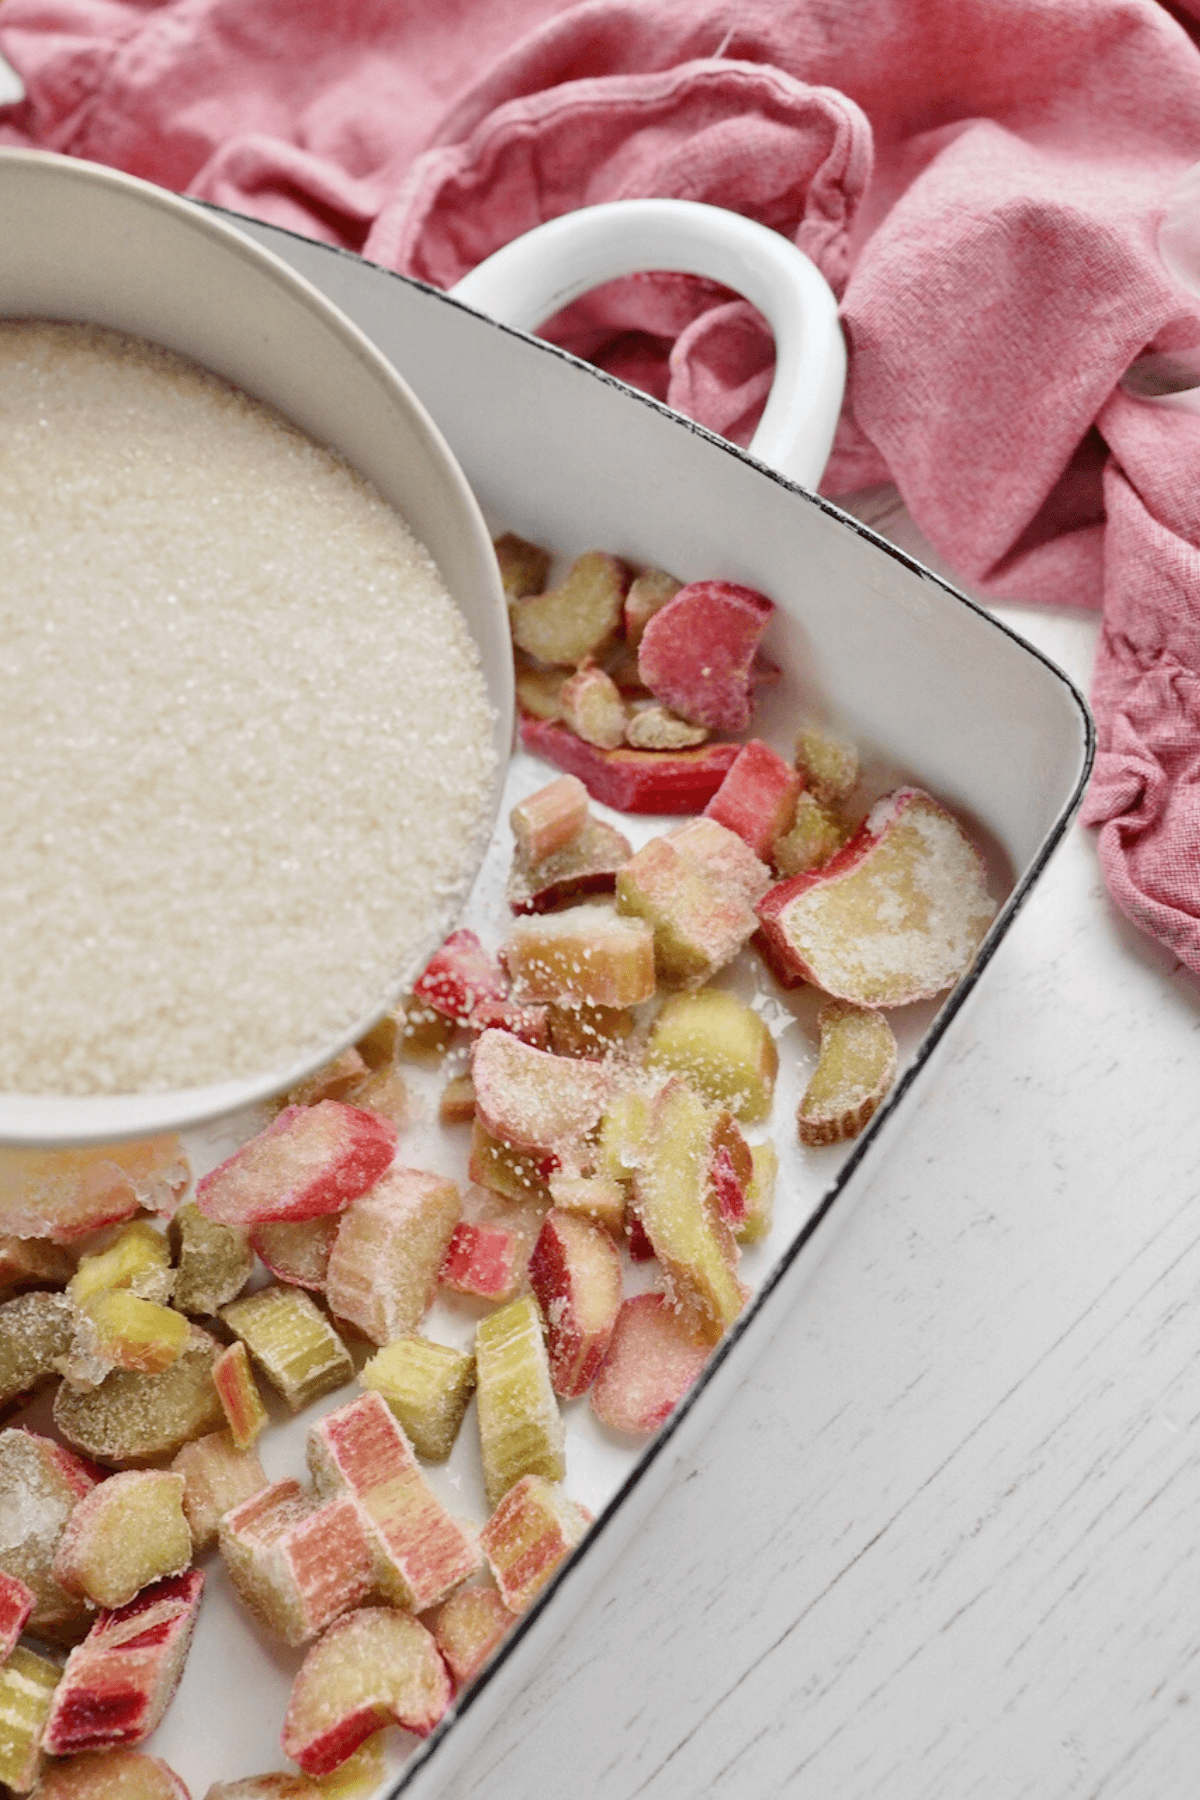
255, 680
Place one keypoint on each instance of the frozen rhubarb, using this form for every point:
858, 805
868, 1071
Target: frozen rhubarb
16, 1605
118, 1683
467, 1627
675, 1203
35, 1333
574, 620
459, 976
383, 1268
724, 857
383, 1092
138, 1258
654, 1357
292, 1342
213, 1262
593, 708
760, 1194
829, 765
648, 594
297, 1564
588, 865
655, 727
757, 799
698, 926
126, 1533
427, 1386
480, 1260
523, 566
575, 1272
723, 1048
517, 1174
538, 689
624, 1131
529, 1023
238, 1392
275, 1784
27, 1684
421, 1553
855, 1068
63, 1194
896, 916
812, 838
111, 1775
731, 1170
426, 1035
529, 1536
456, 1103
588, 1031
217, 1476
132, 1419
297, 1250
535, 1100
587, 955
520, 1426
333, 1081
380, 1046
136, 1334
596, 1197
310, 1160
34, 1262
41, 1483
697, 652
375, 1667
549, 820
633, 781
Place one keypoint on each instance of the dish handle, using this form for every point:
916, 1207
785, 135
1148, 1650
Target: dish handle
538, 274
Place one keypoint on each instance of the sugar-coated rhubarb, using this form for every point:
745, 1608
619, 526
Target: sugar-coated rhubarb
731, 1170
633, 781
655, 1355
128, 1532
421, 1553
217, 1477
575, 1272
624, 1131
297, 1564
375, 1667
27, 1684
570, 622
133, 1419
727, 859
587, 1031
238, 1392
648, 594
467, 1627
292, 1342
529, 1536
297, 1251
655, 727
723, 1048
17, 1602
333, 1081
34, 1262
597, 1197
459, 976
383, 1267
586, 955
586, 866
830, 765
275, 1784
638, 1244
896, 916
427, 1386
138, 1258
523, 566
63, 1194
517, 1174
380, 1046
310, 1160
425, 1035
213, 1262
698, 926
760, 1194
535, 1100
110, 1775
812, 838
855, 1068
384, 1092
136, 1334
520, 1427
593, 708
538, 689
456, 1103
529, 1023
697, 652
480, 1260
41, 1483
549, 820
757, 799
118, 1683
36, 1330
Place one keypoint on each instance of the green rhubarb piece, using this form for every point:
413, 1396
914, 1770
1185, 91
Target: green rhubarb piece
672, 1199
760, 1194
520, 1426
721, 1046
214, 1261
810, 840
292, 1342
516, 1174
35, 1330
27, 1684
698, 927
134, 1418
427, 1386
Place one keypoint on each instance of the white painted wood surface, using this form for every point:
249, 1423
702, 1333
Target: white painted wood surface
945, 1545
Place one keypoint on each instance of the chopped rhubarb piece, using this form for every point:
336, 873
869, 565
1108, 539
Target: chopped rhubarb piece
138, 1258
721, 1046
855, 1068
698, 927
586, 866
760, 1194
427, 1386
375, 1667
297, 1564
274, 1785
529, 1536
647, 595
379, 1046
27, 1684
34, 1262
217, 1477
333, 1081
593, 708
596, 1197
576, 1274
538, 689
624, 1131
674, 1200
310, 1160
239, 1395
480, 1260
40, 1486
384, 1092
757, 799
535, 1100
297, 1250
523, 566
697, 652
126, 1533
118, 1683
16, 1604
587, 955
520, 1426
895, 917
111, 1775
588, 1031
549, 820
426, 1035
467, 1627
726, 859
731, 1170
813, 837
517, 1174
529, 1023
136, 1334
132, 1419
456, 1105
63, 1194
383, 1268
421, 1553
640, 1248
459, 976
830, 766
214, 1262
292, 1342
361, 1776
633, 781
574, 620
35, 1332
654, 1357
655, 727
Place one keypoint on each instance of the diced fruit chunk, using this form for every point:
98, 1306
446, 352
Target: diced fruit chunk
297, 1564
586, 955
126, 1533
138, 1258
427, 1386
517, 1174
597, 1197
111, 1775
136, 1334
310, 1160
813, 836
895, 917
535, 1100
292, 1342
34, 1262
384, 1092
458, 976
674, 1201
760, 1194
217, 1477
16, 1604
63, 1194
654, 727
118, 1683
480, 1260
374, 1667
697, 652
531, 1533
239, 1395
653, 1359
576, 1274
591, 1032
520, 1426
633, 781
698, 927
727, 859
588, 865
855, 1069
575, 619
27, 1684
213, 1261
757, 799
467, 1627
456, 1105
40, 1486
550, 819
132, 1419
383, 1268
723, 1048
593, 708
379, 1046
35, 1332
648, 594
830, 766
538, 689
523, 566
331, 1082
297, 1250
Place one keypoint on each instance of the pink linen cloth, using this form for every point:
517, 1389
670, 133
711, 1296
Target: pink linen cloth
980, 181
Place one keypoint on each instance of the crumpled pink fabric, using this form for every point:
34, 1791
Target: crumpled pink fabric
980, 181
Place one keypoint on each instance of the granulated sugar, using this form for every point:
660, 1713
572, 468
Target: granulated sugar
244, 734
